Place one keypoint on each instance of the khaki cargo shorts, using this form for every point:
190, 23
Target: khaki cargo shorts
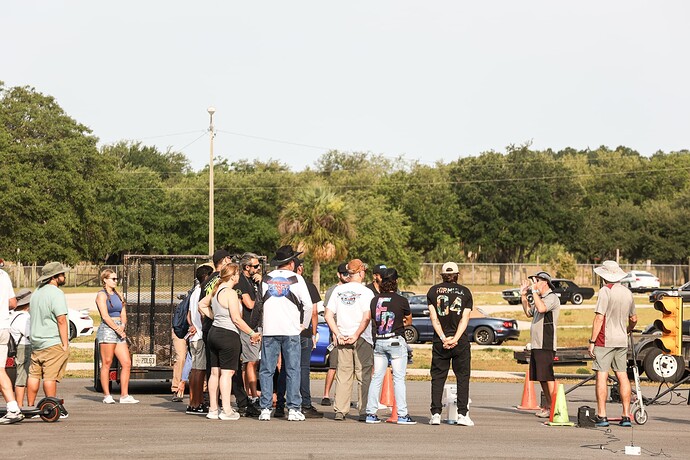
49, 363
606, 358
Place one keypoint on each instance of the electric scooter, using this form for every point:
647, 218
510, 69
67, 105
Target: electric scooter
637, 409
48, 409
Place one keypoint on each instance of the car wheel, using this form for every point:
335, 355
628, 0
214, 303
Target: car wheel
484, 336
411, 334
513, 302
72, 331
663, 368
97, 368
577, 299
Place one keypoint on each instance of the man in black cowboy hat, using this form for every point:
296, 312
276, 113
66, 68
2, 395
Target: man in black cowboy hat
287, 311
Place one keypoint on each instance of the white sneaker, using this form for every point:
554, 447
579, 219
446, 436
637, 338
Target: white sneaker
295, 416
465, 420
212, 415
265, 415
11, 417
128, 400
435, 419
108, 400
234, 415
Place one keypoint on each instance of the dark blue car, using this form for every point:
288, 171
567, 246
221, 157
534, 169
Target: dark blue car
484, 330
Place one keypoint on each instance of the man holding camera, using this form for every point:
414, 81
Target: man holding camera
543, 305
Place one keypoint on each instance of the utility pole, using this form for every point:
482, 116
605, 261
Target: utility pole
211, 245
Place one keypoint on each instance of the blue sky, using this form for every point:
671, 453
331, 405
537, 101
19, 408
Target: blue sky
431, 81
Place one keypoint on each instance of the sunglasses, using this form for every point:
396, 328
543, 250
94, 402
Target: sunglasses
113, 279
254, 266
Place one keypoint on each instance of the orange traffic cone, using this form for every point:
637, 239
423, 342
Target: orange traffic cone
529, 398
387, 395
394, 415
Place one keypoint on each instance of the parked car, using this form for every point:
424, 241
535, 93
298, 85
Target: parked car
640, 280
80, 323
565, 289
683, 291
482, 329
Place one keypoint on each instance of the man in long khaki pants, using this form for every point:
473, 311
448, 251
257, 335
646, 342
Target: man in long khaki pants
350, 304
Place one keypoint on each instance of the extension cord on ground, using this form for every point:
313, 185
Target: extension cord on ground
633, 450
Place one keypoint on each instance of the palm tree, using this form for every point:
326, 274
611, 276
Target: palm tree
319, 223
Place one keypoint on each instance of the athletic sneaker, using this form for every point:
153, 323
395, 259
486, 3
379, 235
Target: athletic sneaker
108, 400
63, 413
279, 412
406, 420
311, 412
234, 415
372, 418
212, 415
326, 402
295, 416
201, 410
464, 420
544, 413
128, 400
601, 421
339, 416
265, 415
11, 417
435, 419
625, 421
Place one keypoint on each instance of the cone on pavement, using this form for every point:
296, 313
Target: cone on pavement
529, 398
394, 415
387, 395
560, 413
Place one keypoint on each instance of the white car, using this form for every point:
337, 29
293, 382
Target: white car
80, 323
640, 280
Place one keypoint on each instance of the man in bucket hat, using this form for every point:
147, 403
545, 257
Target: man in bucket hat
542, 305
614, 318
49, 333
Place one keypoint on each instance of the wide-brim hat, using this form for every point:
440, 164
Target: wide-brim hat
610, 271
545, 276
284, 254
51, 269
23, 297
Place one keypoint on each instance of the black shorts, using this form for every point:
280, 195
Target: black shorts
541, 365
224, 348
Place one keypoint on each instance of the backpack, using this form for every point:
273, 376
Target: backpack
179, 320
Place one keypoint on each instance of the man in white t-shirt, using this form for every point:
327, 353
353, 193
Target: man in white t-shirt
287, 310
7, 302
350, 304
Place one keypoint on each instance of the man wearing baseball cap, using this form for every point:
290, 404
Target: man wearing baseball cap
542, 305
450, 305
377, 271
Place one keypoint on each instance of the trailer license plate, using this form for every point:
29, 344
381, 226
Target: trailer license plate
139, 360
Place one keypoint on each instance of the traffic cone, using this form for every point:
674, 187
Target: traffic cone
387, 395
394, 415
529, 398
559, 415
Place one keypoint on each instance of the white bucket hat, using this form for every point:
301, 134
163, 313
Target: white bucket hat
610, 271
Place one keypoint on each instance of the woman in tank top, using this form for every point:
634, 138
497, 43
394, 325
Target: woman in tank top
224, 341
112, 338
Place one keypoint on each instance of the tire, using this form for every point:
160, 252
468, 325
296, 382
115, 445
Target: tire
411, 334
50, 411
576, 299
663, 368
513, 302
72, 331
484, 335
97, 368
639, 416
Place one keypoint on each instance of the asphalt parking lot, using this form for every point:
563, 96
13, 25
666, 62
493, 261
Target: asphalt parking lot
158, 428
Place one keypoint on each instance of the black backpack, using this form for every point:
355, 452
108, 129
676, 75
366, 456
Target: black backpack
179, 320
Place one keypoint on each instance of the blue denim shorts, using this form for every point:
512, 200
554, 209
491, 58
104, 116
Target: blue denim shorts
106, 334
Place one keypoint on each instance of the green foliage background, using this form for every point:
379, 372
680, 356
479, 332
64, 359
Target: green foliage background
63, 198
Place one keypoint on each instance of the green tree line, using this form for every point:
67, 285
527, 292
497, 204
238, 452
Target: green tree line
64, 198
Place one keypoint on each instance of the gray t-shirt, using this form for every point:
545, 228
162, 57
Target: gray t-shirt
617, 305
543, 329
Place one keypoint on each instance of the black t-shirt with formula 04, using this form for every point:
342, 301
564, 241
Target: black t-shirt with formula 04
449, 300
387, 312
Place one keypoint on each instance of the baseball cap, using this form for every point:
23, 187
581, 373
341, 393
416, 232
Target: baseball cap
355, 266
378, 269
389, 274
219, 255
342, 269
450, 268
545, 276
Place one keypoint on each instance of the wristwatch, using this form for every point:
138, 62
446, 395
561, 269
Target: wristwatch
592, 342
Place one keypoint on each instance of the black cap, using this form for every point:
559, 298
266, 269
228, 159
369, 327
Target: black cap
342, 269
379, 269
219, 255
545, 276
389, 274
298, 262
